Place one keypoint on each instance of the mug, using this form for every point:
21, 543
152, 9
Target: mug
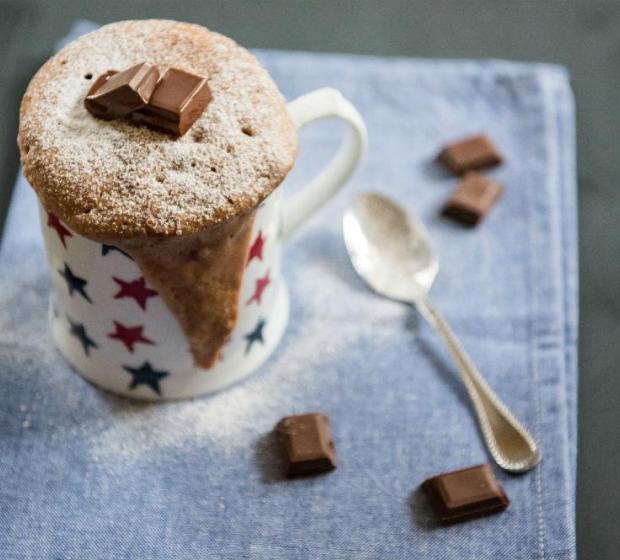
112, 327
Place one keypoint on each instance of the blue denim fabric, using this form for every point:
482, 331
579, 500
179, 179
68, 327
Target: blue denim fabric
73, 488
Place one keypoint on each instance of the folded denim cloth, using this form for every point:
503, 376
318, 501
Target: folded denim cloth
88, 475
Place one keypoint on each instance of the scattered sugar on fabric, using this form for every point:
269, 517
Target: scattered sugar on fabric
237, 415
229, 419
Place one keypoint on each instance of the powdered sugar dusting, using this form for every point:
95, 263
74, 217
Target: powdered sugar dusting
237, 417
229, 420
111, 179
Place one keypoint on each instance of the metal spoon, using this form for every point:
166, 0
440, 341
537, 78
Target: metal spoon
392, 254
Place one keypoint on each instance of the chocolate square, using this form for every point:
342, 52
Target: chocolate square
100, 81
307, 443
475, 152
466, 494
472, 199
177, 101
116, 94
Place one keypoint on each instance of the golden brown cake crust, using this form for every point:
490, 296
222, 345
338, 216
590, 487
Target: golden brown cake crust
113, 180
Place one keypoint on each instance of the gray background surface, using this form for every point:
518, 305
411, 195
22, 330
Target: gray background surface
581, 34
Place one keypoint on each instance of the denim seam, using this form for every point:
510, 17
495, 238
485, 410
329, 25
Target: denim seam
534, 356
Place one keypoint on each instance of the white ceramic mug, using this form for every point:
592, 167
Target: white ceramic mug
115, 330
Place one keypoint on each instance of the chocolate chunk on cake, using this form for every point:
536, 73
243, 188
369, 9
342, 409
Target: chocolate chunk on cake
117, 94
177, 101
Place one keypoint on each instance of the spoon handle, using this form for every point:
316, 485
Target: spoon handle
510, 444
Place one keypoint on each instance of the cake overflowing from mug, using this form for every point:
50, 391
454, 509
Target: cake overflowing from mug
199, 277
182, 203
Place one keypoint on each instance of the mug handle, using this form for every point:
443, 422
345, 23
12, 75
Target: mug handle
319, 104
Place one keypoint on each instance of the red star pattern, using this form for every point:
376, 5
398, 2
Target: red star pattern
256, 250
136, 289
130, 335
56, 224
261, 284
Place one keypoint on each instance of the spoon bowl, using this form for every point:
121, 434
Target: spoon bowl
389, 251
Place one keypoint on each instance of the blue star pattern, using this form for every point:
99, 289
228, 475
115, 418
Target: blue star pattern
78, 331
146, 375
131, 333
105, 249
255, 335
75, 283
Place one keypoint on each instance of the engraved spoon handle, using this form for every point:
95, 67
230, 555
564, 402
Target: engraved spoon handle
510, 444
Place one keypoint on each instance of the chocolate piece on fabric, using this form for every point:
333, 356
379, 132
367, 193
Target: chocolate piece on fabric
307, 443
466, 494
